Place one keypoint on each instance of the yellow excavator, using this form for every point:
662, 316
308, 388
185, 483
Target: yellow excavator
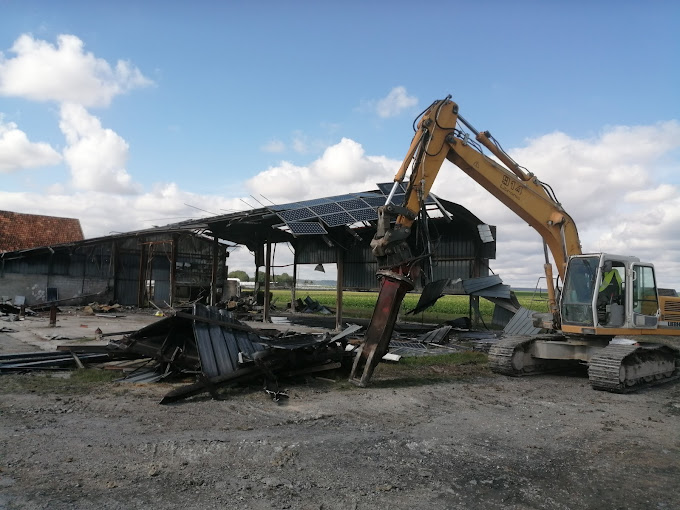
603, 295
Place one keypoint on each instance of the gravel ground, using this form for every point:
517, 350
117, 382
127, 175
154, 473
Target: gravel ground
483, 441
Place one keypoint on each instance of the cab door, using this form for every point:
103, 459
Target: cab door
645, 300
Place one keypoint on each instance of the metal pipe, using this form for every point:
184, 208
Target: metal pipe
392, 192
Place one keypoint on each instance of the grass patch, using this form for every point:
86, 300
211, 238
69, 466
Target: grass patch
361, 304
68, 382
424, 370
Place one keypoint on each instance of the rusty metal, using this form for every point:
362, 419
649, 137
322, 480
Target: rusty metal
393, 286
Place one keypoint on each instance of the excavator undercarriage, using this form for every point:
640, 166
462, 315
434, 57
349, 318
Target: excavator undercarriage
615, 367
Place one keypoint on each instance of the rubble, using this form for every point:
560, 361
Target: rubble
218, 349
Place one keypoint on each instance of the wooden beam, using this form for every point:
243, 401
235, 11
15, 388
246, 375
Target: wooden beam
294, 283
338, 287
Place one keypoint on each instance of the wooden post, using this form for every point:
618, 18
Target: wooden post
114, 268
173, 268
267, 276
213, 274
294, 283
339, 284
142, 275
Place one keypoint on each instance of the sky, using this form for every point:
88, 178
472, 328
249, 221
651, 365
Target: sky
127, 115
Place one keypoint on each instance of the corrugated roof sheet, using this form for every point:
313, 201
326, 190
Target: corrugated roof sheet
522, 324
24, 231
474, 285
219, 345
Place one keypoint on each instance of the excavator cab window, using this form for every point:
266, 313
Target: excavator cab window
645, 300
611, 294
577, 295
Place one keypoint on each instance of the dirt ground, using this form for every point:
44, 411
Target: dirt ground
480, 441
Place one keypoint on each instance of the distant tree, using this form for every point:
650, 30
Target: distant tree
284, 279
241, 275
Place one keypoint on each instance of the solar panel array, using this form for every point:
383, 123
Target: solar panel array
306, 217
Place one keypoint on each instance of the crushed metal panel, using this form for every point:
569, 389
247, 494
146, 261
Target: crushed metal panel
522, 324
429, 296
485, 233
219, 344
497, 291
473, 285
436, 336
501, 316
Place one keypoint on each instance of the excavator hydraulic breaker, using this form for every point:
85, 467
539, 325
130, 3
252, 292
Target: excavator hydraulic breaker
393, 287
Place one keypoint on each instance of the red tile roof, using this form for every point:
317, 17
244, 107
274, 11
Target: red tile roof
23, 231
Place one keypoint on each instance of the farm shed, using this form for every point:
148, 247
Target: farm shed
157, 265
338, 230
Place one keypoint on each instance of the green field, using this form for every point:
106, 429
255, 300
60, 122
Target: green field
361, 304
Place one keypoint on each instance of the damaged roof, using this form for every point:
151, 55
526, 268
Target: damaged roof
284, 222
20, 231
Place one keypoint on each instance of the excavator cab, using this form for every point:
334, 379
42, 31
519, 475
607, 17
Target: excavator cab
604, 292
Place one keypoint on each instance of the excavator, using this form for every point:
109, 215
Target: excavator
605, 298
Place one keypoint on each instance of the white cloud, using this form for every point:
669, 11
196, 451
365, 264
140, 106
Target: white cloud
342, 168
274, 146
96, 156
41, 71
395, 102
17, 152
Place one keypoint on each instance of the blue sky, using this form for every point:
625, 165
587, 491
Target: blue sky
217, 101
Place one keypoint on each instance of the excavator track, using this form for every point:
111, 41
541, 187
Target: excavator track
510, 356
626, 368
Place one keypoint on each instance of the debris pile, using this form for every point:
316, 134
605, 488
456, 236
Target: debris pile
309, 305
210, 344
14, 310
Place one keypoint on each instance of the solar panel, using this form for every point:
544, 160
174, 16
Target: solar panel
349, 196
306, 227
353, 205
296, 214
329, 208
316, 201
375, 201
365, 215
333, 220
398, 199
386, 187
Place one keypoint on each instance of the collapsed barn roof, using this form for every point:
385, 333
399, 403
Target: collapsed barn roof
335, 230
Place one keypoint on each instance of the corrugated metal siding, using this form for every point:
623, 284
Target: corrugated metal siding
522, 324
38, 264
160, 273
477, 284
127, 279
218, 346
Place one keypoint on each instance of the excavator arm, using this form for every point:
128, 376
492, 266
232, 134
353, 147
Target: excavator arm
438, 138
440, 135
